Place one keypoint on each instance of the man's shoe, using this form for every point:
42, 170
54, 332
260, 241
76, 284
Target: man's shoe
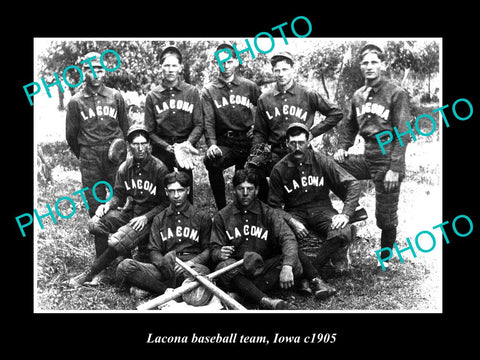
97, 279
273, 304
79, 280
304, 288
320, 289
341, 259
359, 215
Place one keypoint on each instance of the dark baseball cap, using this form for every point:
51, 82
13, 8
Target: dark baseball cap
171, 49
281, 56
297, 125
370, 46
136, 128
94, 62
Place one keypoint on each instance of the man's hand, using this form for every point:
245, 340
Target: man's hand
339, 221
298, 228
391, 182
102, 210
286, 277
213, 152
138, 223
226, 252
180, 270
340, 155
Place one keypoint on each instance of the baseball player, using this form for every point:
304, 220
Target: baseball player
300, 183
286, 103
173, 114
227, 102
180, 230
248, 228
377, 106
139, 189
96, 115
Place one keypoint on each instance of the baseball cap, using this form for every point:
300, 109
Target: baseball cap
281, 55
94, 62
137, 127
253, 263
170, 49
297, 125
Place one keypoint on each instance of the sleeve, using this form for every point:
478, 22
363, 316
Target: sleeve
205, 233
256, 92
286, 238
122, 114
72, 127
275, 194
209, 118
400, 116
335, 174
197, 131
163, 201
333, 114
155, 243
218, 238
260, 127
151, 125
348, 129
119, 191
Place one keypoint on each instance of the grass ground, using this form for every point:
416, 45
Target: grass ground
66, 248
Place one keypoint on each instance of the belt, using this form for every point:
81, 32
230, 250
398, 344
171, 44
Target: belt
232, 134
174, 138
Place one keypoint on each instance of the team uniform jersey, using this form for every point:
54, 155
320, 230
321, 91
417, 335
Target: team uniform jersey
259, 229
308, 184
95, 119
374, 110
186, 231
174, 114
227, 107
277, 109
144, 183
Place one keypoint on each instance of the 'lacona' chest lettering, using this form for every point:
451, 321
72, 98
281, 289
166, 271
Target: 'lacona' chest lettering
310, 180
173, 104
141, 185
248, 230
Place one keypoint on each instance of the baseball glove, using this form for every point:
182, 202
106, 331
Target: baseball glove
117, 152
184, 154
260, 155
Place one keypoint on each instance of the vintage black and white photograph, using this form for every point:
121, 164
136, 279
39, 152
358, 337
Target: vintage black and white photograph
217, 175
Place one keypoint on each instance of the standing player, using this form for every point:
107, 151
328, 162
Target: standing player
180, 230
117, 232
377, 106
173, 113
286, 103
96, 115
227, 105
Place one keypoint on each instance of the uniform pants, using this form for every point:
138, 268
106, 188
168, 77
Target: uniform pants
265, 282
170, 162
264, 172
96, 166
319, 219
115, 222
146, 276
234, 153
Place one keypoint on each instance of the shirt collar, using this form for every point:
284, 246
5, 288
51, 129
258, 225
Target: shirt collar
180, 85
144, 165
185, 211
308, 159
253, 208
292, 89
378, 85
220, 82
87, 92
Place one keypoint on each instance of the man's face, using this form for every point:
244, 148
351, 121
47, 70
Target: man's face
171, 67
371, 66
89, 78
139, 147
298, 145
245, 193
230, 65
283, 72
177, 194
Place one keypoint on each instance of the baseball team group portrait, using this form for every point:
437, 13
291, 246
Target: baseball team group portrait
263, 184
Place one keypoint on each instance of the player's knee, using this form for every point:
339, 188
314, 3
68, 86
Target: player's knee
125, 268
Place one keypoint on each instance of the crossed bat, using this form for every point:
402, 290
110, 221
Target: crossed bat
200, 281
